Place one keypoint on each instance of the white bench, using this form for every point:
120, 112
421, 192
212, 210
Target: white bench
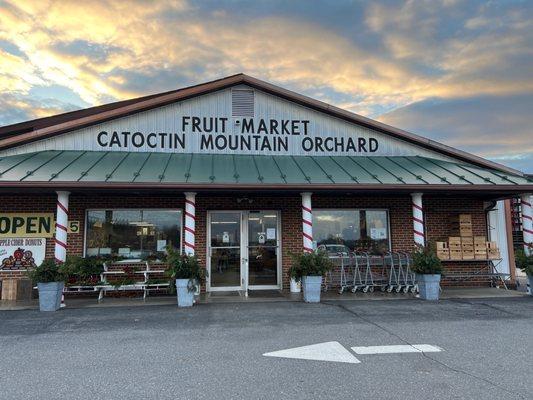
142, 284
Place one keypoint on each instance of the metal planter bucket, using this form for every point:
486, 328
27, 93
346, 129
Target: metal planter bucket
295, 286
50, 295
185, 292
428, 286
530, 285
311, 286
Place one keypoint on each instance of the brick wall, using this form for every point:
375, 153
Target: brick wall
437, 213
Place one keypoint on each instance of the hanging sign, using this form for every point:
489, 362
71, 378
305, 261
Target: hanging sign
21, 253
27, 225
261, 238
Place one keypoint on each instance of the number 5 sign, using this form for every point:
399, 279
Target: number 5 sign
73, 227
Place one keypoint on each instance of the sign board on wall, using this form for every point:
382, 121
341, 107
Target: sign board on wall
27, 225
73, 227
206, 125
21, 253
215, 134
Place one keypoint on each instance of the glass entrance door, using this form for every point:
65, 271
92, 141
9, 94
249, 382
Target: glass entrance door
263, 249
225, 253
243, 250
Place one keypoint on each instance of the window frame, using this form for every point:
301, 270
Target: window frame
387, 212
86, 225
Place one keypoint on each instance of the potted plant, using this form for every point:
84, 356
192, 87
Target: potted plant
49, 277
310, 267
428, 269
186, 272
295, 276
525, 263
81, 271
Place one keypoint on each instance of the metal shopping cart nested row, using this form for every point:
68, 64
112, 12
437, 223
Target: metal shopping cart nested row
361, 271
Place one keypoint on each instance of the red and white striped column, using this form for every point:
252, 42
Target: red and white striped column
60, 252
190, 223
307, 222
418, 219
527, 222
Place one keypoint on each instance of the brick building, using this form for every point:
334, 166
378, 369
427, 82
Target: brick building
241, 173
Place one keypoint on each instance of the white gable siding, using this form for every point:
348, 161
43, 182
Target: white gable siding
219, 104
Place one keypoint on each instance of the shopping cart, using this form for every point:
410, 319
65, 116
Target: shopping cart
341, 275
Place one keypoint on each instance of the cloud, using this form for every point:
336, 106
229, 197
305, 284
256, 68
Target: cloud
371, 58
498, 128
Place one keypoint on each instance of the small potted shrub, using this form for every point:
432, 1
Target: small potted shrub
186, 272
81, 271
428, 269
525, 263
295, 276
310, 267
49, 277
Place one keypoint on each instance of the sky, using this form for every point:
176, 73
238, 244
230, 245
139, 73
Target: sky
459, 72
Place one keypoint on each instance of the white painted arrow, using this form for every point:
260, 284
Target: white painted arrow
327, 351
402, 348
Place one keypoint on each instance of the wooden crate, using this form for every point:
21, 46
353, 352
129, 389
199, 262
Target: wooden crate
16, 289
468, 255
480, 254
456, 254
480, 240
465, 218
464, 232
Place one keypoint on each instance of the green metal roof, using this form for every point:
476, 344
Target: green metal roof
233, 170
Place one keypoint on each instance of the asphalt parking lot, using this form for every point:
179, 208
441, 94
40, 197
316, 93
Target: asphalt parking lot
215, 351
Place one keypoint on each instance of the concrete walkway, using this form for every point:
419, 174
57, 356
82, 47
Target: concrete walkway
263, 297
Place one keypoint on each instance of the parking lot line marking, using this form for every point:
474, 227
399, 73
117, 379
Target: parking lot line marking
327, 351
392, 349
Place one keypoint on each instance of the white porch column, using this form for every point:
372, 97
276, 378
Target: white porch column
418, 219
527, 222
60, 253
307, 222
190, 223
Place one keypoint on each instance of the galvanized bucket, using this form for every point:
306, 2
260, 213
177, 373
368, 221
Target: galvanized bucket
185, 292
50, 295
428, 286
311, 287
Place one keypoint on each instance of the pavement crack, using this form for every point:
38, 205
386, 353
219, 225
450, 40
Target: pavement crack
443, 364
492, 307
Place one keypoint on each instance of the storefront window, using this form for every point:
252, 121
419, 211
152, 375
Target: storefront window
132, 234
362, 230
